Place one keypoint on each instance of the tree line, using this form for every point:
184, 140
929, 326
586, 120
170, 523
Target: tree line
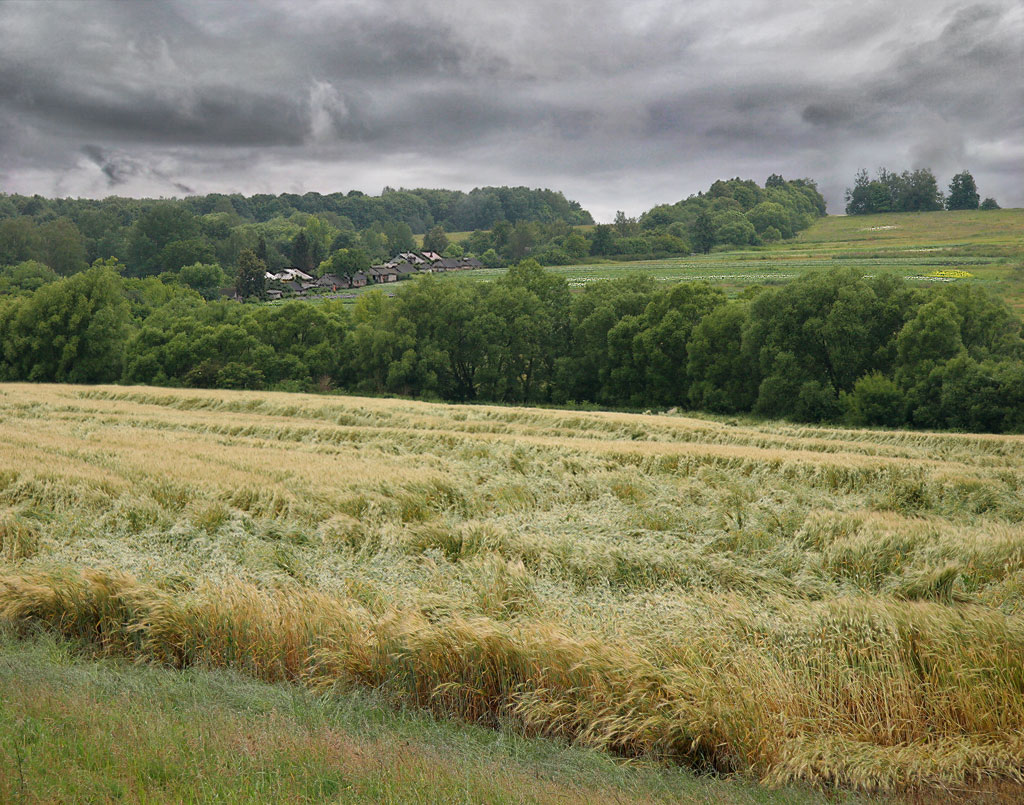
197, 241
732, 213
153, 236
912, 191
832, 346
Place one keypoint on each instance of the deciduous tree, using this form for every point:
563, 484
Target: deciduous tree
963, 193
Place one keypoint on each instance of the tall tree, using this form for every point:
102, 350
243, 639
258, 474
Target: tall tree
435, 240
251, 278
963, 193
703, 235
302, 252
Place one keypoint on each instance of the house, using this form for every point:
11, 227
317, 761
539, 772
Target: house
472, 262
404, 270
296, 287
358, 280
288, 274
411, 257
383, 273
333, 282
431, 257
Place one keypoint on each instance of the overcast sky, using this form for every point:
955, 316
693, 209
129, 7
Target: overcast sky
621, 105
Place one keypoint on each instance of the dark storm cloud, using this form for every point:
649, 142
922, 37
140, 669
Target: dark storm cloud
620, 105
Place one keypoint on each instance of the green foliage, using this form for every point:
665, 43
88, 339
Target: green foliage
910, 191
732, 227
25, 277
205, 278
491, 259
989, 204
875, 400
737, 212
62, 246
73, 330
770, 215
703, 235
345, 263
435, 240
724, 377
831, 343
250, 281
159, 226
963, 193
180, 253
603, 240
19, 241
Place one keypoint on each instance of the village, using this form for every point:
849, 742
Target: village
294, 282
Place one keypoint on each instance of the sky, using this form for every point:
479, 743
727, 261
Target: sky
620, 105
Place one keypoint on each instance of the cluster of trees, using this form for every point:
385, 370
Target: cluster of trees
912, 191
738, 212
152, 236
732, 213
831, 346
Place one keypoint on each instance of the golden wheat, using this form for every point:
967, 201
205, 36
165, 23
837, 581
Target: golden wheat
826, 605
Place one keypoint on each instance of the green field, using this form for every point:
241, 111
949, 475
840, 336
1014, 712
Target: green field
925, 248
785, 606
79, 729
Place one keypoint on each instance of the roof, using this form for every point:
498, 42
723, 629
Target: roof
292, 273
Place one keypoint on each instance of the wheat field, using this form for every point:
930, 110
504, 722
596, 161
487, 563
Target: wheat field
792, 604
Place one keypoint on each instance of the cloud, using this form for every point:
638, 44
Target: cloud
620, 105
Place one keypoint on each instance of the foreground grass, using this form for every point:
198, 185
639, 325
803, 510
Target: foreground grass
80, 730
793, 605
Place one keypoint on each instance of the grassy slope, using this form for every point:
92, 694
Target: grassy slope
77, 730
989, 245
794, 604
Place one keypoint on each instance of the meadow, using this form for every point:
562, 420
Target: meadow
984, 247
809, 606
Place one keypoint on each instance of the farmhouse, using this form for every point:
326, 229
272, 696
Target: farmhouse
334, 282
293, 281
288, 274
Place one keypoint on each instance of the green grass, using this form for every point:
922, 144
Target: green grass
75, 729
988, 245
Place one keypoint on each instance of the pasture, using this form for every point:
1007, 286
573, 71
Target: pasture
791, 605
930, 247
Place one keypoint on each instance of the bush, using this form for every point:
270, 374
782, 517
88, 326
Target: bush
875, 400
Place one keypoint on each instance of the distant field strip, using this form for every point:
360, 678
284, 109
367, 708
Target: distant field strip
827, 605
924, 248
